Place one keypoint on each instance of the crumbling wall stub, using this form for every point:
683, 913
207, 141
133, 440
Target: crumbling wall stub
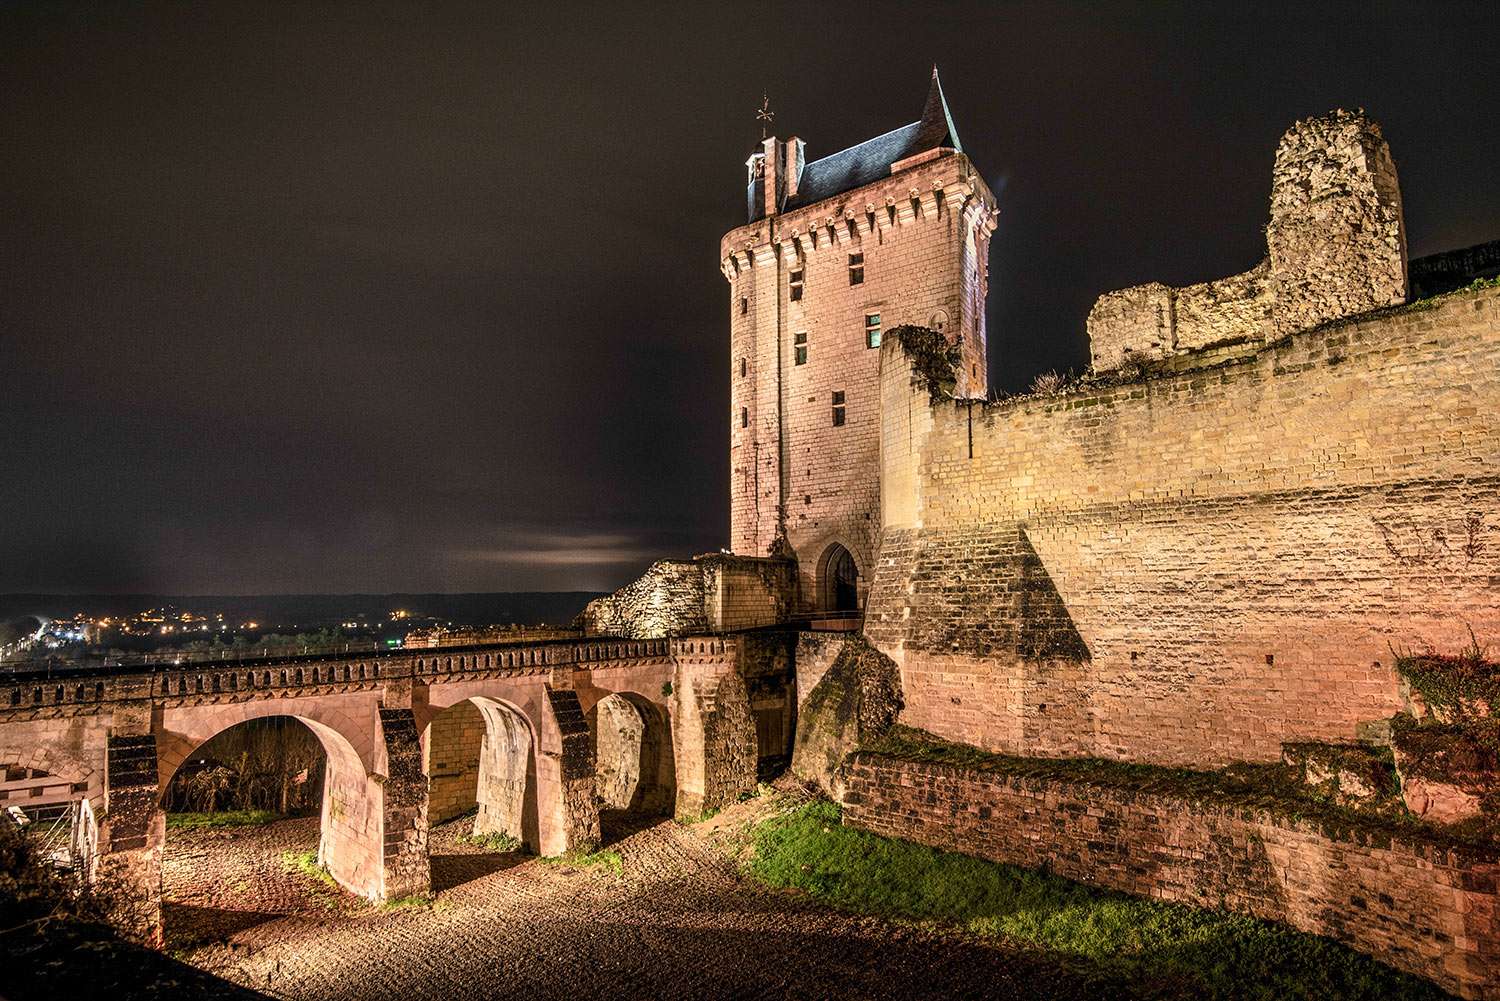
1131, 324
1337, 237
131, 835
565, 777
1223, 311
714, 592
406, 869
854, 701
667, 600
713, 732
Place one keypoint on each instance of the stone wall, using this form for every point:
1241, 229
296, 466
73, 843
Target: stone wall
1420, 907
1336, 246
742, 592
1437, 274
453, 746
1195, 567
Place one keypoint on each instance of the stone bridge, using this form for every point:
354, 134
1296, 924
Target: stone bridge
560, 727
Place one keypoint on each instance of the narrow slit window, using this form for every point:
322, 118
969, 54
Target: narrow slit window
744, 417
799, 349
744, 304
872, 330
796, 283
838, 409
856, 269
744, 368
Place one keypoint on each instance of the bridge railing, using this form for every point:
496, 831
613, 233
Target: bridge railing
54, 685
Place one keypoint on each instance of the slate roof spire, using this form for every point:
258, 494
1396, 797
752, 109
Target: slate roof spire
936, 128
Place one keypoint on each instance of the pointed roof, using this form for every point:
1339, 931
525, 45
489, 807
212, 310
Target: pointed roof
871, 160
937, 127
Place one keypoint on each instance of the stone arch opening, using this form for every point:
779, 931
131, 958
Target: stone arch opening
633, 758
838, 580
303, 774
270, 764
480, 756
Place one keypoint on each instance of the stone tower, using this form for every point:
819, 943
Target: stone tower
837, 251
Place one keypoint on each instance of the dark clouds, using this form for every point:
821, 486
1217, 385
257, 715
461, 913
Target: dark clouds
318, 298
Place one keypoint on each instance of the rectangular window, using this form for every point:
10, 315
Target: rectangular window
838, 409
799, 349
744, 417
744, 367
872, 330
856, 269
744, 305
795, 279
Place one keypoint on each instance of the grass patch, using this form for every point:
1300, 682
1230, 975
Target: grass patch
1210, 954
496, 841
411, 902
307, 864
688, 819
605, 858
224, 818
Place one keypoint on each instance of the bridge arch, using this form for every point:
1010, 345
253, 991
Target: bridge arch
633, 757
481, 754
351, 821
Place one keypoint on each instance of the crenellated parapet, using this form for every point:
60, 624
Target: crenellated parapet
944, 189
56, 694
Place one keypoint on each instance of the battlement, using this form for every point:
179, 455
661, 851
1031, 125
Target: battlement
1335, 247
944, 187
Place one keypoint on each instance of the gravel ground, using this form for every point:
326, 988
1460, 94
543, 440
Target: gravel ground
678, 921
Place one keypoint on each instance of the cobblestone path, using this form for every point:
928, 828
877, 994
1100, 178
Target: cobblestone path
677, 922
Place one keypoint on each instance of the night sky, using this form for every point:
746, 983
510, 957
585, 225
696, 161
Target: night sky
327, 299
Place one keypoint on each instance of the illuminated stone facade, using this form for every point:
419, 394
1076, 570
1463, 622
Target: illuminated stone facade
838, 251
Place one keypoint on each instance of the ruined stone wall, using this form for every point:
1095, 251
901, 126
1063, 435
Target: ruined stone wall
1336, 247
716, 592
854, 702
816, 652
924, 236
1418, 907
1193, 568
666, 600
1337, 239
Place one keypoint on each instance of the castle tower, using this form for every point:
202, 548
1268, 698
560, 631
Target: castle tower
889, 232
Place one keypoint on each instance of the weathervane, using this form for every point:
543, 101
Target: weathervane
765, 115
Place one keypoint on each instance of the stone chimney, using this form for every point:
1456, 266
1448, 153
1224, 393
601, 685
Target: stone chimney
795, 161
773, 175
